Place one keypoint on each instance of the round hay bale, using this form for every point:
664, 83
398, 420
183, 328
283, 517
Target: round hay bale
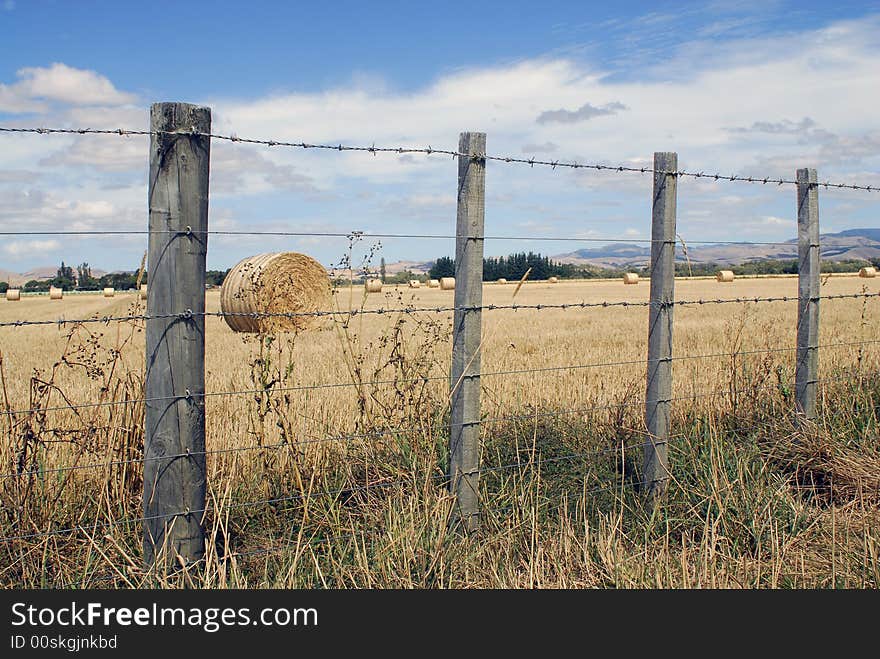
433, 283
415, 283
502, 280
724, 275
447, 283
868, 272
143, 292
630, 278
13, 294
274, 282
553, 280
373, 285
55, 293
109, 292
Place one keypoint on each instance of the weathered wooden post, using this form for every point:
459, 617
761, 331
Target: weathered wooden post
464, 435
807, 366
659, 375
174, 486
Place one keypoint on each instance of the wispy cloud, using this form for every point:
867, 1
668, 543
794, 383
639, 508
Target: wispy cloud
583, 113
546, 147
18, 249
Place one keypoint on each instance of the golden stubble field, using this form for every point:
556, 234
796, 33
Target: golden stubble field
397, 348
342, 486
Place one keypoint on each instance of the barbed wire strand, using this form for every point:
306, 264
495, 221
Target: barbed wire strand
374, 150
351, 313
424, 379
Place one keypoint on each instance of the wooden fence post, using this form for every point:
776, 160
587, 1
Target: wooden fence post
464, 435
659, 374
174, 439
807, 368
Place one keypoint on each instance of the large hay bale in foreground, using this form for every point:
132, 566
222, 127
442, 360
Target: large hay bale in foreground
724, 275
868, 272
275, 282
13, 294
55, 293
447, 283
373, 285
109, 292
630, 278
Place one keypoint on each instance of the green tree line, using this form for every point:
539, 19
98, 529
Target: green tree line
80, 278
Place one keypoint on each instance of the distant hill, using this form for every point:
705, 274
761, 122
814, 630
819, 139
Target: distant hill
863, 244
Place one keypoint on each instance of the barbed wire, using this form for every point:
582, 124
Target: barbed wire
367, 234
436, 477
428, 151
426, 379
409, 310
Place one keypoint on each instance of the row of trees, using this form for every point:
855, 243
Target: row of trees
81, 279
512, 267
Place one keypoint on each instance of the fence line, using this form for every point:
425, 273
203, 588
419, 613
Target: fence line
425, 379
422, 428
189, 314
363, 234
180, 144
552, 164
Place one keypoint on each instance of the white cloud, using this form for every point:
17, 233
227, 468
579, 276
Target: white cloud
65, 84
772, 220
38, 249
756, 106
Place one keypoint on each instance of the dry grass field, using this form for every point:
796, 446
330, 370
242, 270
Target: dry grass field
350, 477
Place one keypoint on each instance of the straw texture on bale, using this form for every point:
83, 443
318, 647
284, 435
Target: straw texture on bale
13, 294
502, 280
724, 275
275, 283
373, 285
143, 292
868, 272
415, 283
630, 278
553, 280
447, 283
433, 283
109, 292
55, 293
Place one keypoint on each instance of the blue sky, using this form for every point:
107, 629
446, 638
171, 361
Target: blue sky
749, 88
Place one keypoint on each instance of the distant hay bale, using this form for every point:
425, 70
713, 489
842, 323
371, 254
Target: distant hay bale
415, 283
274, 283
373, 285
630, 278
13, 294
502, 280
143, 292
553, 280
433, 283
55, 293
868, 272
724, 275
109, 292
447, 283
